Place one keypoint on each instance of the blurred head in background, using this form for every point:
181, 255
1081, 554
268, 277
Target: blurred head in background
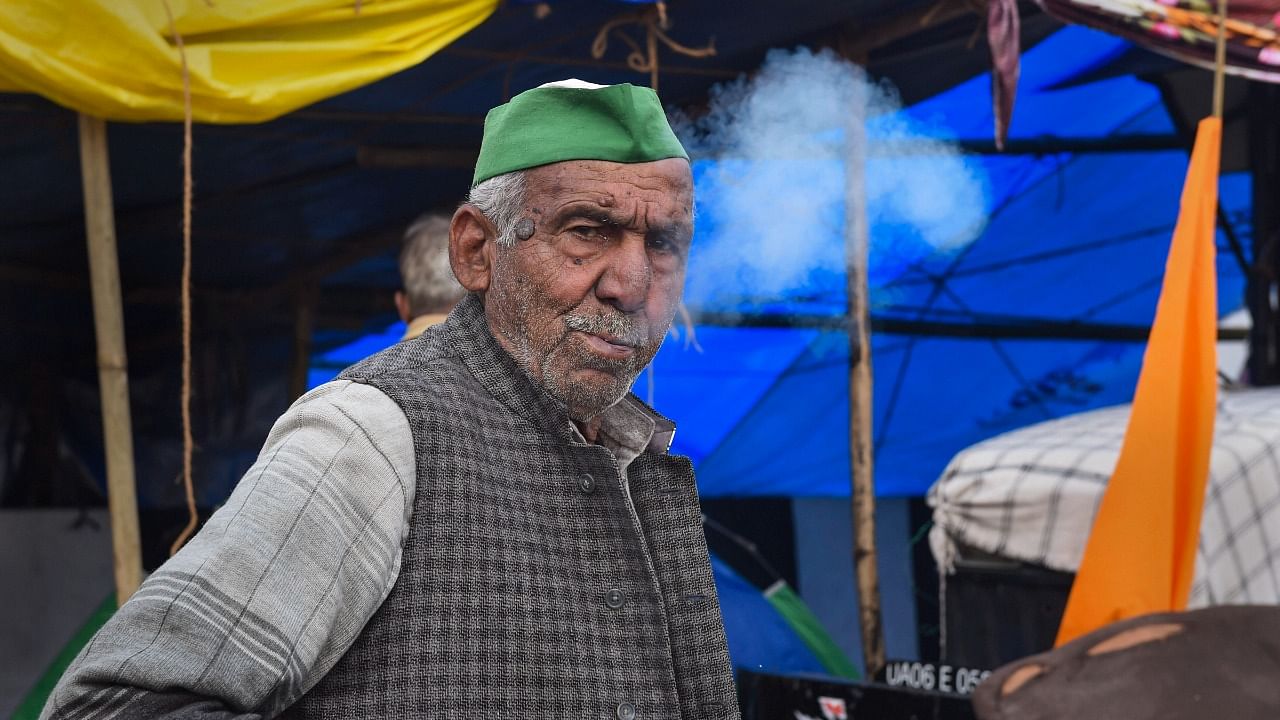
428, 288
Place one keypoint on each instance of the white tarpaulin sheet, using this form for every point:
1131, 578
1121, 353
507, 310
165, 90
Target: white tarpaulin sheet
1031, 495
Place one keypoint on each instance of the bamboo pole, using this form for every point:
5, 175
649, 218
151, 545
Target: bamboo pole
1220, 60
113, 375
861, 468
304, 311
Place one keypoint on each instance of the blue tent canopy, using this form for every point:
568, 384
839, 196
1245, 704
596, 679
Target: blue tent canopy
759, 638
1070, 238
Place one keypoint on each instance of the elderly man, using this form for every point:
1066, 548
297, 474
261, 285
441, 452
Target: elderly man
481, 522
429, 288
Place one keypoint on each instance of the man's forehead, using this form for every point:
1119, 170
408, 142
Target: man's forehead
609, 184
674, 171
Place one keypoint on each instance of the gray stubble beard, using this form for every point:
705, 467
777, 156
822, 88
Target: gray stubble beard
585, 402
582, 402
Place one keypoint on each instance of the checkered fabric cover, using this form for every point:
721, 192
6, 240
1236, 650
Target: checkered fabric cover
532, 584
1031, 495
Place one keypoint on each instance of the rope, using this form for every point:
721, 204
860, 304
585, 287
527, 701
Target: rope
187, 441
746, 545
655, 23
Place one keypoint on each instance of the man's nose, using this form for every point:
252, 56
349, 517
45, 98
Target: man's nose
625, 281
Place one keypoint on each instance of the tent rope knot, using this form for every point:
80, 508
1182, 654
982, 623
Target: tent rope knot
655, 22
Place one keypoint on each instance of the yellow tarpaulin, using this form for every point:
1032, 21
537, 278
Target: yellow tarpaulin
250, 60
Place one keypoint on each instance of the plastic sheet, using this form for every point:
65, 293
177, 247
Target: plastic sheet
250, 60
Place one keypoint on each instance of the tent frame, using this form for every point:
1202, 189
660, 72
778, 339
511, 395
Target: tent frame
113, 366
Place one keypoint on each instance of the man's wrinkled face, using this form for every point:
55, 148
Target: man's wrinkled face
584, 303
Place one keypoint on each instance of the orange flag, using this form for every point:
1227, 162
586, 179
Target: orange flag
1141, 552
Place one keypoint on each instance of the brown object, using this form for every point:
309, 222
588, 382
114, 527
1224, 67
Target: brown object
1004, 29
1189, 31
1220, 59
113, 374
1134, 637
861, 36
1220, 662
655, 23
1023, 675
861, 465
304, 320
188, 442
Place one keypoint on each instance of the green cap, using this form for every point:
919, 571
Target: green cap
573, 120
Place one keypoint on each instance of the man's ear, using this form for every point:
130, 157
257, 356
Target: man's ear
471, 239
402, 306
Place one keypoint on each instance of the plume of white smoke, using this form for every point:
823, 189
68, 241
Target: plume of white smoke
771, 205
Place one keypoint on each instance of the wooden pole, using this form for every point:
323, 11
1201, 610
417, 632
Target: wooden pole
860, 448
113, 375
1220, 60
304, 313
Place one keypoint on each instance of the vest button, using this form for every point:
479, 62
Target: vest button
626, 711
587, 484
615, 599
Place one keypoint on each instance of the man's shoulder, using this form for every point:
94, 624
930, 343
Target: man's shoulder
340, 405
423, 376
421, 356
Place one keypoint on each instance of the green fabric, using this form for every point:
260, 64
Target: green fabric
33, 703
621, 123
806, 625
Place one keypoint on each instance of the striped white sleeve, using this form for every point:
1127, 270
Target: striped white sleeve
278, 584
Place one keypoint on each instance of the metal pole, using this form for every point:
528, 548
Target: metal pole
113, 375
865, 566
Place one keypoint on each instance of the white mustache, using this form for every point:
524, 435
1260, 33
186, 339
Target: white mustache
623, 329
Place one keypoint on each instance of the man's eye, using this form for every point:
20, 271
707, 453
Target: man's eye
586, 232
662, 245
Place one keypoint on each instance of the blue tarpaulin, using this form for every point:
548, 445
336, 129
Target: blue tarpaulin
1069, 238
759, 638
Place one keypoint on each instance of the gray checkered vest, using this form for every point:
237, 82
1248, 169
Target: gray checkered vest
528, 588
